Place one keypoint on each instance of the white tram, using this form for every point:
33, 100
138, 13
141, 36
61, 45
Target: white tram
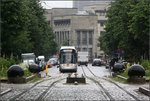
68, 59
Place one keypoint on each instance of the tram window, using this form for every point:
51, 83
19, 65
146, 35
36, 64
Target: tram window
67, 58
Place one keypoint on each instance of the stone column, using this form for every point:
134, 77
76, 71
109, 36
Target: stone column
81, 41
87, 41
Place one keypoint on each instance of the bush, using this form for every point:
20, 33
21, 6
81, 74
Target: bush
146, 64
5, 64
27, 73
147, 73
125, 74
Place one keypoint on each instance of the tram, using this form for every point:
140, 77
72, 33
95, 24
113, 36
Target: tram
68, 59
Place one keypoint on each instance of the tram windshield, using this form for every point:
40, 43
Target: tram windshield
67, 57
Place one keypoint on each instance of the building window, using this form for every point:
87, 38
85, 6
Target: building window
79, 49
78, 37
62, 22
90, 52
68, 35
58, 37
101, 32
101, 12
101, 22
84, 49
49, 22
90, 37
84, 37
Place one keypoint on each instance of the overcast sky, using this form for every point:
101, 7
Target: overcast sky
56, 4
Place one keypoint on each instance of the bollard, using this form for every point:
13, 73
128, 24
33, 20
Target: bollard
46, 69
128, 66
136, 73
34, 68
15, 74
75, 83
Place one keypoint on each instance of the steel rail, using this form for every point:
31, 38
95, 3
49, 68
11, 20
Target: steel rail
41, 81
116, 85
95, 81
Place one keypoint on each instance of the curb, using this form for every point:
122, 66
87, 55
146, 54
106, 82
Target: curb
4, 92
32, 77
3, 80
144, 91
121, 77
20, 79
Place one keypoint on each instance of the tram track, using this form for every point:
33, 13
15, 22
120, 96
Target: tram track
35, 85
104, 78
44, 94
104, 90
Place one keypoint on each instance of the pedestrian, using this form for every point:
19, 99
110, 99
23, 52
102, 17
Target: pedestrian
112, 63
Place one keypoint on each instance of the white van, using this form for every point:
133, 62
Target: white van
83, 58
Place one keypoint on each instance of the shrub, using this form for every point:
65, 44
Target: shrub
125, 74
147, 73
5, 64
146, 64
27, 73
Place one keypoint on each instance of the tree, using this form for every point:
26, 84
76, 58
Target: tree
25, 29
126, 28
65, 43
139, 27
14, 23
41, 34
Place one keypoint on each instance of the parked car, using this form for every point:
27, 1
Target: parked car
49, 64
53, 61
103, 62
96, 62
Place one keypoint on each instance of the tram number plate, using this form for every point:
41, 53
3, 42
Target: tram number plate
67, 65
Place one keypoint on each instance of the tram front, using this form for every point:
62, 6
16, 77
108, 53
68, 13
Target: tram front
68, 59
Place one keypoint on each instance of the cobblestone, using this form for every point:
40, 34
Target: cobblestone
62, 91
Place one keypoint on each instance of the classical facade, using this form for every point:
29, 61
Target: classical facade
79, 28
100, 11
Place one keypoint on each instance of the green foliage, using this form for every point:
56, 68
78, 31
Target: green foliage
25, 29
147, 73
65, 43
14, 30
4, 74
146, 64
5, 64
119, 80
27, 73
127, 28
125, 74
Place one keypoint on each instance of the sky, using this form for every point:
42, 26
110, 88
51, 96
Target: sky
56, 4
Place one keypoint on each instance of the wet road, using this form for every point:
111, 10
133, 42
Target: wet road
98, 87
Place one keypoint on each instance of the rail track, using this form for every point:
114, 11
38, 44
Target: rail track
105, 91
42, 95
108, 80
